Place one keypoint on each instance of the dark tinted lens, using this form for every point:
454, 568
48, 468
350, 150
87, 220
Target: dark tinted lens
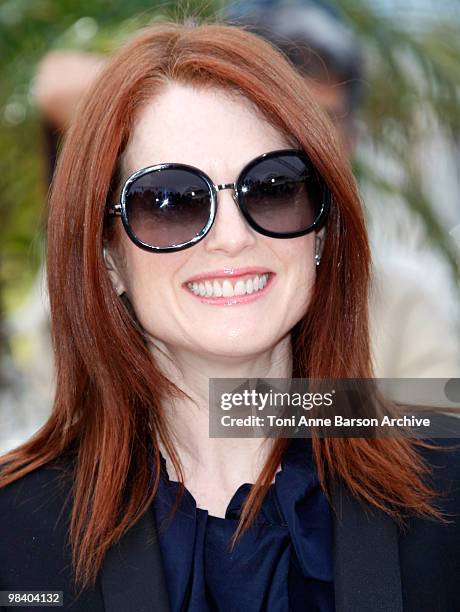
168, 207
282, 194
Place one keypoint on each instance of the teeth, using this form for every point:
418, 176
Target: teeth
240, 288
217, 289
208, 286
227, 289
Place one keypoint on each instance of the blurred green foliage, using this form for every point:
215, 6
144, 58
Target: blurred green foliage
410, 70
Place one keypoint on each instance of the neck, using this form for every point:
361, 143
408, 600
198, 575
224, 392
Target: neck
227, 460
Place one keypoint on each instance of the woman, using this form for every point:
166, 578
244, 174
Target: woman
189, 208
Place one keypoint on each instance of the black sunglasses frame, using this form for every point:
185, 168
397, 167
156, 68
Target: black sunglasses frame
119, 210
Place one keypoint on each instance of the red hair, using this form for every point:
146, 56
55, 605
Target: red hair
109, 390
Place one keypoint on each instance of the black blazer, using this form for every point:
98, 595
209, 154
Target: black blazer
376, 568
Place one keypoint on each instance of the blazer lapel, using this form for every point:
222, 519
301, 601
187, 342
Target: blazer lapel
366, 557
132, 573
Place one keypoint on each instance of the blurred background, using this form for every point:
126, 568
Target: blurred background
386, 71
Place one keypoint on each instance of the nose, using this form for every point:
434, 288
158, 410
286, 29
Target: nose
230, 232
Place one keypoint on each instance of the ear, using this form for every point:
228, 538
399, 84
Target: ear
113, 270
320, 236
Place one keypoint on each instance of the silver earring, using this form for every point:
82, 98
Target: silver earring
317, 250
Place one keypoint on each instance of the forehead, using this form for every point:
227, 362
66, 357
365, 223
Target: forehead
209, 128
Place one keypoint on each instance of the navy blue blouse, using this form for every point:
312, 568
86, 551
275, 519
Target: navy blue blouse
282, 563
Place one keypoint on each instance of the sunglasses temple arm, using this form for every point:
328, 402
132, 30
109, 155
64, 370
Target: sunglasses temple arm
115, 210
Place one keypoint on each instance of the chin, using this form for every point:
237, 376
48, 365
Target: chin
235, 346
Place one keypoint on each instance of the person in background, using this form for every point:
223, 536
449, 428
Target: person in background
414, 331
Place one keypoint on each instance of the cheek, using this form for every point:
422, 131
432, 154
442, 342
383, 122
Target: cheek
299, 275
150, 280
298, 258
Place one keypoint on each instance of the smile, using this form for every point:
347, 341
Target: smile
245, 285
230, 288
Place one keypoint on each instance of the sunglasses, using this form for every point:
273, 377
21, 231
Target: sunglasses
170, 207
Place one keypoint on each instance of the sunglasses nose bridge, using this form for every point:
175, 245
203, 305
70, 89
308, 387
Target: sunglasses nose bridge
232, 186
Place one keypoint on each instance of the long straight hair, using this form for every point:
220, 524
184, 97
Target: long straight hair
108, 402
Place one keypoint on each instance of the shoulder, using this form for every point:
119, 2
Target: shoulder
444, 460
38, 492
34, 524
34, 516
429, 548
